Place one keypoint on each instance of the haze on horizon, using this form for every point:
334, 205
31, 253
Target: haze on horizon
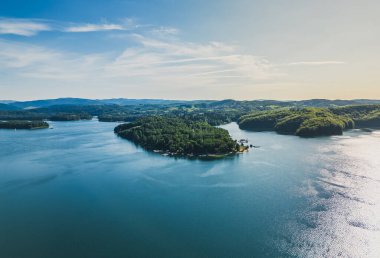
190, 49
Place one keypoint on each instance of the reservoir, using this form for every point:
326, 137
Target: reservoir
78, 190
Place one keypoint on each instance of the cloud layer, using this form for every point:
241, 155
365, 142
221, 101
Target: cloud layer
318, 63
22, 27
149, 61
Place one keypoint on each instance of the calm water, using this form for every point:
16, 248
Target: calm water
80, 191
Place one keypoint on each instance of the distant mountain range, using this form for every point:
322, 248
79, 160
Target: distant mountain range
81, 102
7, 107
19, 105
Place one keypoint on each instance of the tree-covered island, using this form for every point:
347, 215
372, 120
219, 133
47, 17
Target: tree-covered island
180, 137
23, 124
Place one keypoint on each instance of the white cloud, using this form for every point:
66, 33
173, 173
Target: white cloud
175, 60
31, 27
148, 67
25, 60
165, 31
318, 63
94, 27
22, 27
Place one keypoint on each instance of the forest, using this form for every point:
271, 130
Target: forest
362, 115
23, 124
306, 118
178, 136
311, 122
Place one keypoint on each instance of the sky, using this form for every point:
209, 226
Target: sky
190, 49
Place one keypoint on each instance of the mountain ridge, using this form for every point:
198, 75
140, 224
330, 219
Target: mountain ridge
31, 104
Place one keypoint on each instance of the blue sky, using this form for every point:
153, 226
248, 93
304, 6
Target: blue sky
189, 49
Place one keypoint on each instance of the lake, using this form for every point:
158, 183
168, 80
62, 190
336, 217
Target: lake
80, 191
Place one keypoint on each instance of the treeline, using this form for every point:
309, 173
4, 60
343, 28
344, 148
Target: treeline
22, 124
178, 136
38, 116
70, 117
284, 117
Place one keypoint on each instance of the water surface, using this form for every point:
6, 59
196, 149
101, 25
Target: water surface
80, 191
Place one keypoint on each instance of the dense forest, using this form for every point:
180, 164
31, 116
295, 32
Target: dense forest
127, 110
179, 137
306, 122
23, 124
38, 115
69, 117
310, 122
306, 118
362, 115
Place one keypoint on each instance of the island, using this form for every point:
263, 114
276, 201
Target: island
23, 124
180, 137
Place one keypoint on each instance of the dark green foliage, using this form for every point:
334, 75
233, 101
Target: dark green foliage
283, 117
23, 124
70, 117
290, 124
178, 136
320, 126
117, 118
43, 114
363, 115
370, 120
212, 117
262, 120
20, 115
307, 122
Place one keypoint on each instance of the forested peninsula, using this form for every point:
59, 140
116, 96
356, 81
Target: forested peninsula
180, 137
22, 124
312, 122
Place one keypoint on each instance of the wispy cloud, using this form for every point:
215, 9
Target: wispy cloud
156, 59
22, 27
97, 27
173, 59
25, 60
31, 27
158, 65
318, 63
165, 31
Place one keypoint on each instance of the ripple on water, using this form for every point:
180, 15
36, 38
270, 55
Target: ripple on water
319, 208
363, 225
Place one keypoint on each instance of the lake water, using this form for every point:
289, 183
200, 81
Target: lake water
80, 191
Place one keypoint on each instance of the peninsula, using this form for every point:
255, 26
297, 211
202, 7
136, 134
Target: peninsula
179, 137
312, 121
23, 124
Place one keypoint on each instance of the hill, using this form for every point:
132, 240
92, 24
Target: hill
306, 122
7, 107
230, 103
